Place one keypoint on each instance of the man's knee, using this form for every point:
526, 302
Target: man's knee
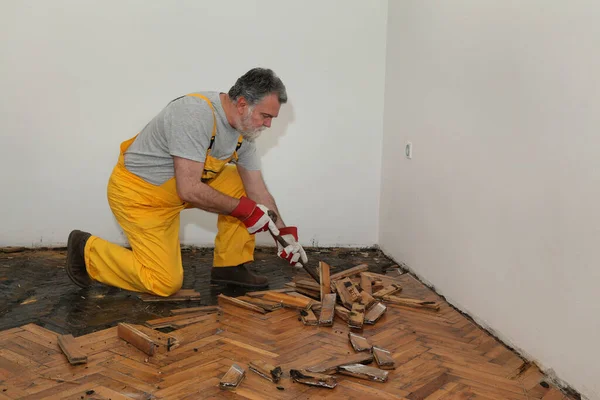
164, 285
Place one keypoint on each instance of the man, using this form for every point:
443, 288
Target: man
198, 152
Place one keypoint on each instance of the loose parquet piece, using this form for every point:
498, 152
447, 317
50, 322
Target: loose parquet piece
347, 292
260, 302
168, 321
313, 378
357, 316
374, 313
71, 349
136, 338
232, 378
388, 290
330, 367
324, 278
240, 303
327, 309
364, 372
182, 295
262, 292
266, 370
401, 301
367, 300
342, 313
366, 284
308, 317
289, 301
383, 358
349, 272
359, 343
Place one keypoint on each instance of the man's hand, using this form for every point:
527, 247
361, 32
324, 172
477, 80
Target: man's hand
293, 253
254, 216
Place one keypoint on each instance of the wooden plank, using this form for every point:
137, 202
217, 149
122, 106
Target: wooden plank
357, 316
182, 295
206, 309
240, 303
342, 313
262, 292
347, 292
168, 321
308, 317
388, 290
71, 349
349, 272
309, 285
287, 300
260, 302
324, 278
367, 300
366, 284
136, 338
359, 343
374, 313
383, 358
327, 309
313, 378
364, 372
266, 370
402, 301
330, 367
232, 378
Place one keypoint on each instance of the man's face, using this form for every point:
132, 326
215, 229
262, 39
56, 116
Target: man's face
254, 119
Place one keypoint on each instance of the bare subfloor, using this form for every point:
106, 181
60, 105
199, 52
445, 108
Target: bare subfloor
34, 288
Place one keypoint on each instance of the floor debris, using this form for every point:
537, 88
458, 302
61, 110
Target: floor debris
266, 370
313, 378
232, 378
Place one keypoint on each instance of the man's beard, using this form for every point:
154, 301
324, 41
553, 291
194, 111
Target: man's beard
245, 127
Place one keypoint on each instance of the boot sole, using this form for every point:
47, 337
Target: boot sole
240, 284
69, 266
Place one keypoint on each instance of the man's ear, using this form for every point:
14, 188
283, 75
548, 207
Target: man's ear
241, 104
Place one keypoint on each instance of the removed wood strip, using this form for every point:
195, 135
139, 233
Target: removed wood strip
402, 301
266, 370
364, 372
136, 338
374, 313
287, 300
240, 303
349, 272
232, 378
359, 343
357, 316
182, 295
206, 309
327, 309
347, 292
309, 285
330, 367
383, 358
313, 378
308, 317
342, 313
366, 284
324, 277
262, 292
260, 302
73, 352
388, 290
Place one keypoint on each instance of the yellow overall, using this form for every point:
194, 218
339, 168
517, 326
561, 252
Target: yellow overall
149, 216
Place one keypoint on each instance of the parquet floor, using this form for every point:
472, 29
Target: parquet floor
439, 355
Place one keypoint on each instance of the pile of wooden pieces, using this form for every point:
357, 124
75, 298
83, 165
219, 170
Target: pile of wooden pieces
323, 375
356, 296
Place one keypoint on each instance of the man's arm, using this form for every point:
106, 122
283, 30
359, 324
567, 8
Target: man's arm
192, 190
256, 189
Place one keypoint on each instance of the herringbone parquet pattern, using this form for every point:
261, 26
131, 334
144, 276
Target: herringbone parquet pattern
439, 355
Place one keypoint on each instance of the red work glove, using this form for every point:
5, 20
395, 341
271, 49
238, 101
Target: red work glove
293, 253
254, 216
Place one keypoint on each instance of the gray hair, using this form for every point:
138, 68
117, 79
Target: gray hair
257, 83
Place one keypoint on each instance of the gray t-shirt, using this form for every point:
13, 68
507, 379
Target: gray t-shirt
183, 129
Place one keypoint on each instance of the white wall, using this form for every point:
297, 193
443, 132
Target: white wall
499, 207
79, 77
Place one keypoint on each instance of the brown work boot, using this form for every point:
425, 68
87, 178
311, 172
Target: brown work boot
238, 276
75, 258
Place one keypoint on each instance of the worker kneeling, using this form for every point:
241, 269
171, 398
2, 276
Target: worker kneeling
198, 152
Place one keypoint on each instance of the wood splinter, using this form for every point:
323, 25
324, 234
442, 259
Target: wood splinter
313, 378
266, 370
232, 378
71, 349
359, 343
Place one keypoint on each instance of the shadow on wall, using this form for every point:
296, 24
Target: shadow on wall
265, 143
